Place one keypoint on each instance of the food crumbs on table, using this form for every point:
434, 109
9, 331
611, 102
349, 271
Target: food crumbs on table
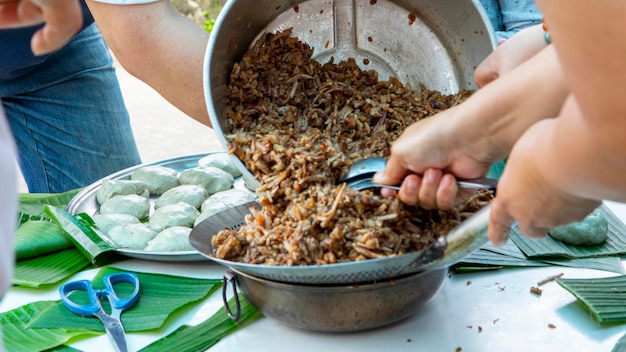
459, 349
549, 279
501, 288
536, 290
552, 326
480, 329
469, 282
495, 321
469, 327
409, 340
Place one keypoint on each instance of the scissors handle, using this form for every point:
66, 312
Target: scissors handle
91, 308
86, 310
116, 301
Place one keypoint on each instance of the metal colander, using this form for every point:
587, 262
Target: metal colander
461, 241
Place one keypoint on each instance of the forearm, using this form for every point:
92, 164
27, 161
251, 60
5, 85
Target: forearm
590, 139
505, 108
574, 158
165, 50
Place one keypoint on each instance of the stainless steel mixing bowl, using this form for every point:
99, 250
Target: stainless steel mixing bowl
341, 308
437, 43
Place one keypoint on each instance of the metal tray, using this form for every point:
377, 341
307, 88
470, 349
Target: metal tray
85, 202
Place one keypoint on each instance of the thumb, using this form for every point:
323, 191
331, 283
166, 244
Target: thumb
393, 173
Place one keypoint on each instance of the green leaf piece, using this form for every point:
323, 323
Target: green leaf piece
615, 244
31, 204
603, 297
18, 338
49, 269
161, 295
206, 334
84, 235
509, 255
39, 237
64, 348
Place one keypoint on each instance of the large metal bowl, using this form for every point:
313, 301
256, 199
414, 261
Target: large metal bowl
437, 43
341, 308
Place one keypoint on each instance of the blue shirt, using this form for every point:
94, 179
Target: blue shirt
16, 57
510, 16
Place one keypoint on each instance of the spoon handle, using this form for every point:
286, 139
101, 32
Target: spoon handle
472, 183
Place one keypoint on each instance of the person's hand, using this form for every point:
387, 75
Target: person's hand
527, 197
510, 54
426, 157
62, 18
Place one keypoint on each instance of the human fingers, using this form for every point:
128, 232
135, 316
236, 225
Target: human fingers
428, 189
447, 192
63, 19
409, 191
394, 172
500, 222
514, 51
8, 14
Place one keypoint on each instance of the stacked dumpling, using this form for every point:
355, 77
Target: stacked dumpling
157, 207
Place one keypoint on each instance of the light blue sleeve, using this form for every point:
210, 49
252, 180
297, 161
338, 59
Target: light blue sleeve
510, 16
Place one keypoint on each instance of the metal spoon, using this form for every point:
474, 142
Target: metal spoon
360, 174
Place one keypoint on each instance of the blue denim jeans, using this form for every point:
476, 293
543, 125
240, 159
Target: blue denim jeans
69, 119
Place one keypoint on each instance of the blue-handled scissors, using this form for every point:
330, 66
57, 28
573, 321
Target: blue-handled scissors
112, 323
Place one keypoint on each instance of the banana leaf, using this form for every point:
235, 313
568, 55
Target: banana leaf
81, 230
39, 237
615, 244
18, 338
64, 348
206, 334
509, 255
31, 204
161, 295
603, 297
49, 269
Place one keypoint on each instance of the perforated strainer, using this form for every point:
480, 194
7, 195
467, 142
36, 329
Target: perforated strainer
460, 242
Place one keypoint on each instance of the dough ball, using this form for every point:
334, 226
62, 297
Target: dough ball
130, 204
213, 179
193, 195
179, 214
158, 178
106, 222
174, 238
221, 161
230, 198
131, 236
209, 210
110, 188
593, 230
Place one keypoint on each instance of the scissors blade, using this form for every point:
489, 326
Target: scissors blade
114, 329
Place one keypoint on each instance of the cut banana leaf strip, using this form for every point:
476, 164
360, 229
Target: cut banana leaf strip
615, 245
64, 348
49, 269
84, 234
39, 237
206, 334
18, 338
603, 297
489, 257
31, 204
160, 296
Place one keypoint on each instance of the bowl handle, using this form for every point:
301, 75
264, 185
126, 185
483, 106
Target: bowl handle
230, 277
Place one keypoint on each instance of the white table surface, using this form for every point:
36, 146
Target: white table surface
511, 318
